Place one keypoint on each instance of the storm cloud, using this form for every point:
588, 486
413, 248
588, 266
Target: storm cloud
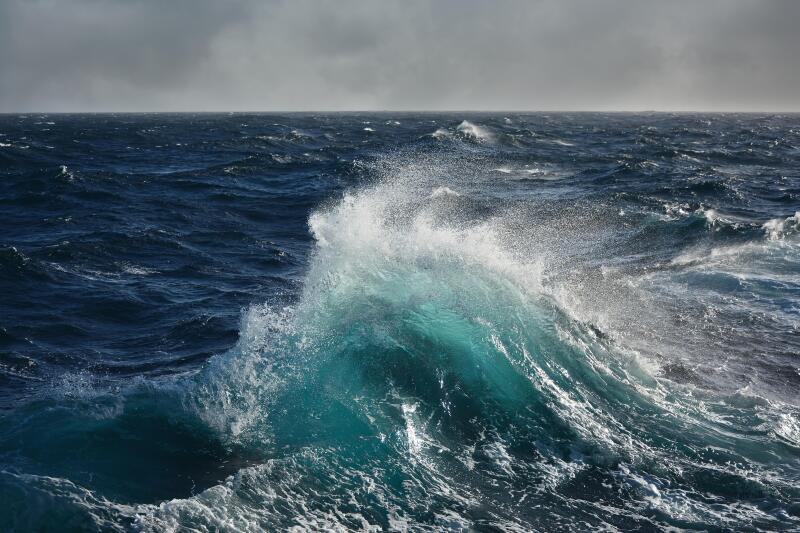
202, 55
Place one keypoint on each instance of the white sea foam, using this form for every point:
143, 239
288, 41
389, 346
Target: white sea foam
473, 131
80, 385
66, 172
675, 210
529, 171
361, 226
136, 270
281, 158
777, 228
715, 219
443, 191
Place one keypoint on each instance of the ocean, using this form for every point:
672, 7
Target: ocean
400, 321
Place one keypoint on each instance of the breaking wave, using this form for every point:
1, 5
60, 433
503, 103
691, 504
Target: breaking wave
427, 377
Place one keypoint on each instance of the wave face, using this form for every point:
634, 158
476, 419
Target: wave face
527, 322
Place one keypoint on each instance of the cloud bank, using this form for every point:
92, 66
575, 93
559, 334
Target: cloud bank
278, 55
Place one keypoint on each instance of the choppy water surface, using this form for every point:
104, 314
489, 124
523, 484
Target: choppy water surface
548, 322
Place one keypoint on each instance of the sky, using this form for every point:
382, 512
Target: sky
304, 55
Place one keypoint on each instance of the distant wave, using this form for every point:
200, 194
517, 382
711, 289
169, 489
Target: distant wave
473, 131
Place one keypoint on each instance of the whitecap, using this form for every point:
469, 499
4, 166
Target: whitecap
64, 171
443, 191
777, 228
468, 129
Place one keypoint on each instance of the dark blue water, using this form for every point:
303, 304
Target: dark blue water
552, 322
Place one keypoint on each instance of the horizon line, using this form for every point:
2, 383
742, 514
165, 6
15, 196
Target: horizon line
439, 111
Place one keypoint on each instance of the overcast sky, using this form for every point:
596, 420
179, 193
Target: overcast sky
203, 55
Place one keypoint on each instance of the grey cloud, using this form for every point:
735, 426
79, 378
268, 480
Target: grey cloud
92, 55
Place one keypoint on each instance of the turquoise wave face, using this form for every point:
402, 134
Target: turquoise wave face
428, 376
